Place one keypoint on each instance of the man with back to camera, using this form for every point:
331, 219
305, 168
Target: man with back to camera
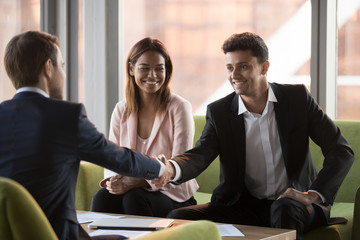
261, 132
42, 138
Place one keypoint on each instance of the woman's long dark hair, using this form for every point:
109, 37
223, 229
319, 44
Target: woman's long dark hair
132, 90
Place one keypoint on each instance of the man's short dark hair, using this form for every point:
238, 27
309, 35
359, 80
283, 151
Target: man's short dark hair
247, 41
26, 54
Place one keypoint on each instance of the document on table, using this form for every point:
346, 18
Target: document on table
92, 216
228, 230
126, 233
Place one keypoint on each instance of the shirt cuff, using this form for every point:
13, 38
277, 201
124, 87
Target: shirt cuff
319, 194
162, 168
178, 174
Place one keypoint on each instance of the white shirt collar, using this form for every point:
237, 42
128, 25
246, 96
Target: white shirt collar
243, 109
32, 89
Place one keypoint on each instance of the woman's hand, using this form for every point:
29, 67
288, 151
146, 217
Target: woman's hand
122, 184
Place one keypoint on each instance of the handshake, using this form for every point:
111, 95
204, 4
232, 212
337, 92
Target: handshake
167, 175
119, 184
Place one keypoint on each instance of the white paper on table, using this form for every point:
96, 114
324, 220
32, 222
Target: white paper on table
91, 216
228, 230
126, 233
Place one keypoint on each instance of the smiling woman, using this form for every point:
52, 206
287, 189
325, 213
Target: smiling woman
153, 121
145, 55
149, 73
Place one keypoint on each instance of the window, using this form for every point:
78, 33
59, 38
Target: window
81, 52
194, 31
15, 17
348, 83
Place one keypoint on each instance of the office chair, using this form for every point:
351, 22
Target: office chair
21, 217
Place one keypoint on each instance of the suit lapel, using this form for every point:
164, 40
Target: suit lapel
281, 108
238, 131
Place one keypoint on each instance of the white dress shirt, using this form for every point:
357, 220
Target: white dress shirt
265, 175
32, 89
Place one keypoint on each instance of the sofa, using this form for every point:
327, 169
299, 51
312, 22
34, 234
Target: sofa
90, 175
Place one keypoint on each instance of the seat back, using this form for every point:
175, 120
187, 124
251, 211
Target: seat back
351, 131
209, 178
87, 184
197, 230
356, 220
21, 217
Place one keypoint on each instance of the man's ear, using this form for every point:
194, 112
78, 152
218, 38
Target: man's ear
47, 68
265, 67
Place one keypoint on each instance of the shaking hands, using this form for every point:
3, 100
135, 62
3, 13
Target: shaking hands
168, 174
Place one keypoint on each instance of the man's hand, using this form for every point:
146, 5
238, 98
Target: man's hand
168, 174
121, 184
306, 198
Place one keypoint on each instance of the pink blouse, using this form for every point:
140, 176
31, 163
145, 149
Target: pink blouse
171, 135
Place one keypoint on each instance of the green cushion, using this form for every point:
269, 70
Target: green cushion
351, 131
21, 217
338, 231
197, 230
202, 197
210, 178
87, 184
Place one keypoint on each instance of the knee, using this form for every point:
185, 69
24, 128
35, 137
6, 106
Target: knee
178, 213
104, 201
283, 206
98, 199
285, 212
189, 213
101, 193
134, 195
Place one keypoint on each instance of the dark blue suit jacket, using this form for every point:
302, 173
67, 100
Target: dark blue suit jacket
42, 141
298, 117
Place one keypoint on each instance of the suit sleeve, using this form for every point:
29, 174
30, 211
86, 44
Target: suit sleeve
338, 155
196, 160
95, 148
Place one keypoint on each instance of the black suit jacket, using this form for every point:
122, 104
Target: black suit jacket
42, 141
298, 117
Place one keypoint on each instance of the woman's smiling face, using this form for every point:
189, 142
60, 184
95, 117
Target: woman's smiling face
149, 72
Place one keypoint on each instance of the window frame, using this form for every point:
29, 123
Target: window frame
61, 18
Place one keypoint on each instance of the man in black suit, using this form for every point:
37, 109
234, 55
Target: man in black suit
261, 132
43, 139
